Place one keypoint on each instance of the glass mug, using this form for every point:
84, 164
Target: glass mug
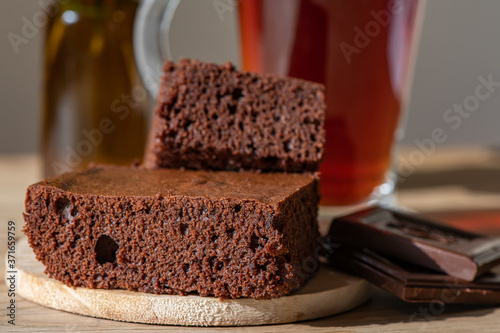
362, 50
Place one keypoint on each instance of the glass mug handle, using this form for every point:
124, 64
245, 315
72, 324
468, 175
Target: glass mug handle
154, 19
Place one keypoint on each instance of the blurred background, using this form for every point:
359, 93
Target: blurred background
459, 51
459, 43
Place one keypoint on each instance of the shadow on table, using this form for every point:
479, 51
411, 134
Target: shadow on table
385, 309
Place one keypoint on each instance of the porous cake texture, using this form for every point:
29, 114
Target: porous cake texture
215, 117
168, 231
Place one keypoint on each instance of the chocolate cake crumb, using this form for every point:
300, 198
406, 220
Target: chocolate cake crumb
212, 116
222, 234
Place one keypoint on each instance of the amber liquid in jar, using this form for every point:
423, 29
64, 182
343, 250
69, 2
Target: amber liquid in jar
94, 102
364, 78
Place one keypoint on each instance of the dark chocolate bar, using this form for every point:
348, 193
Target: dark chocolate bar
413, 283
457, 253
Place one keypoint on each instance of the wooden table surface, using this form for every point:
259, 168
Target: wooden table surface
460, 185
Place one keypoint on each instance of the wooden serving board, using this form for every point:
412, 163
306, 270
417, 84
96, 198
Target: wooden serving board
328, 293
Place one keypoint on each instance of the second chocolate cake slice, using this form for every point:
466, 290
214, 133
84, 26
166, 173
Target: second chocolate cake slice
166, 231
212, 116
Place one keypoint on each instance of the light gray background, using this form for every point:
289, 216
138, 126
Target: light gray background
460, 41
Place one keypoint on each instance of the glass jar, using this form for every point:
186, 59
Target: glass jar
95, 105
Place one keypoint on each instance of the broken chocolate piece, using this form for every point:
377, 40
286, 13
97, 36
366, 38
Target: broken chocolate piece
413, 283
458, 253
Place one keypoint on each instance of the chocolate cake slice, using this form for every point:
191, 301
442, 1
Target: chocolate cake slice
166, 231
212, 116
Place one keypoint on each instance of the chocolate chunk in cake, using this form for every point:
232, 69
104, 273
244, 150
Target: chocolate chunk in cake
167, 231
212, 116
